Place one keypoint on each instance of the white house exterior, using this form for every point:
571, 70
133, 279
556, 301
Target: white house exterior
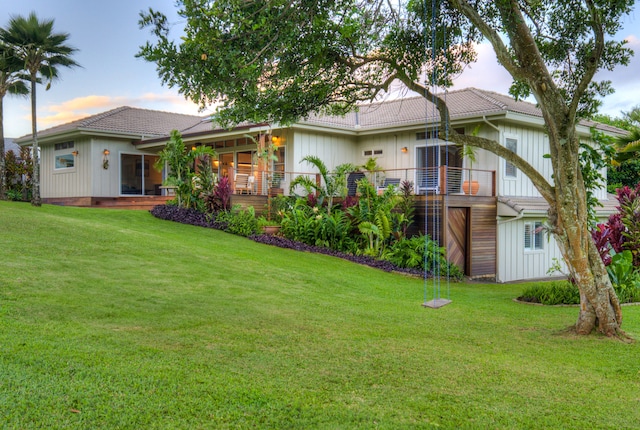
401, 134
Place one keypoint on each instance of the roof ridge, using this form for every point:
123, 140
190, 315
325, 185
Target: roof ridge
87, 121
486, 95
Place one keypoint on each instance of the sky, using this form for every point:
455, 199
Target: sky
107, 36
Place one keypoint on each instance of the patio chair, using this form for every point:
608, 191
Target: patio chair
387, 182
242, 184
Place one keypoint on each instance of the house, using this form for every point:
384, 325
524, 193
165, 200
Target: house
493, 233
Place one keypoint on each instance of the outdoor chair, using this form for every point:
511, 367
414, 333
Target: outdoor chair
242, 184
387, 182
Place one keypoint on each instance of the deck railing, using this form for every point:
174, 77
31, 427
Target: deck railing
441, 180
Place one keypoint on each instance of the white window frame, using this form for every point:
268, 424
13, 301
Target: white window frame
64, 156
533, 236
509, 166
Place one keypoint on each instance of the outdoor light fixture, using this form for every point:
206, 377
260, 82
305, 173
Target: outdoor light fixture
105, 159
75, 153
404, 149
277, 140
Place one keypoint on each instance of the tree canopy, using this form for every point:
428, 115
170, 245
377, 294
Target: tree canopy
281, 60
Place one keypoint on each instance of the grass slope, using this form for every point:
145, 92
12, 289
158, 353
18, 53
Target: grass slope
114, 319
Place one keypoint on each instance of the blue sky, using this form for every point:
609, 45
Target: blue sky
107, 36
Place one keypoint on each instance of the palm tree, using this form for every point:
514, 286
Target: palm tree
41, 51
11, 82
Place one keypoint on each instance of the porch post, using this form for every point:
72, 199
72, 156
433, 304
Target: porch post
443, 180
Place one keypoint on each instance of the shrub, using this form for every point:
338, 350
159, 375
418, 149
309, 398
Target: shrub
419, 252
239, 221
220, 199
552, 293
316, 227
186, 216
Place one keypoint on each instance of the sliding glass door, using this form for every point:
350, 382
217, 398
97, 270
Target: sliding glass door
138, 176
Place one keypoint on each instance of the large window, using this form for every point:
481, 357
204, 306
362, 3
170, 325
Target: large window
138, 176
510, 170
533, 236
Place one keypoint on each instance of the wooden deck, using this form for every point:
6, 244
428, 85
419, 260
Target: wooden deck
136, 203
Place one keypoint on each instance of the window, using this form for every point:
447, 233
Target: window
509, 169
533, 236
372, 152
65, 161
63, 145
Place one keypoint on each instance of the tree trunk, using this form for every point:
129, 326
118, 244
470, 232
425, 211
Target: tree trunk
3, 165
599, 305
35, 197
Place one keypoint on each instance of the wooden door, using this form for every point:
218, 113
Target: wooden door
458, 238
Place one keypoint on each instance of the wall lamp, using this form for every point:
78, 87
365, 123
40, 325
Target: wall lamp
105, 159
75, 153
404, 149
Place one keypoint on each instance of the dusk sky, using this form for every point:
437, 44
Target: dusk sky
107, 36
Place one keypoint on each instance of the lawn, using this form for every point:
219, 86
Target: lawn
115, 319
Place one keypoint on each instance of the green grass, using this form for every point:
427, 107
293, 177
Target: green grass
114, 319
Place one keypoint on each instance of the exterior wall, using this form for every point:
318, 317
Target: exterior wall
514, 263
333, 150
106, 182
70, 182
87, 178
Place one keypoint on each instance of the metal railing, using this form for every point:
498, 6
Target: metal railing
441, 180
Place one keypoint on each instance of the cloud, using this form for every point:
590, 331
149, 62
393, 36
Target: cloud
82, 107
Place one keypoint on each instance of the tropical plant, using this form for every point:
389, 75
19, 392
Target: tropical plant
622, 231
313, 226
190, 187
242, 222
552, 293
374, 216
624, 276
421, 252
12, 81
333, 184
41, 52
220, 198
18, 174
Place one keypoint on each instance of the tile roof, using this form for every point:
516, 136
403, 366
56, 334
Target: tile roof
127, 120
539, 205
469, 102
465, 103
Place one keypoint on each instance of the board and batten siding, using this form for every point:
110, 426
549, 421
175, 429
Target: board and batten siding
532, 146
106, 182
68, 182
333, 150
514, 263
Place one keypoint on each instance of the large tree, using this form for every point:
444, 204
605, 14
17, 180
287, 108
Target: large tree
11, 82
280, 60
41, 52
